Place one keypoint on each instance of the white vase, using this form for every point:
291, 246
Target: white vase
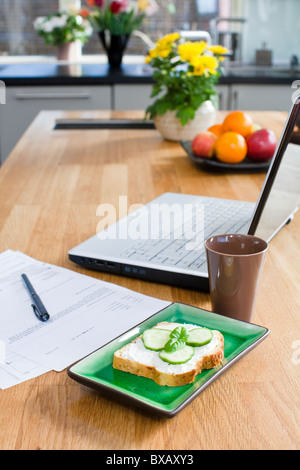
69, 51
171, 128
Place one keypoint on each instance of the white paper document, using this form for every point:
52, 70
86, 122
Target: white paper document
15, 369
85, 313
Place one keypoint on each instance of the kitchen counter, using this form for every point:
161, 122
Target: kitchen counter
276, 75
50, 188
43, 83
53, 73
48, 74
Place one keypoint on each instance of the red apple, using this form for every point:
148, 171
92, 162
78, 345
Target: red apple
203, 144
261, 145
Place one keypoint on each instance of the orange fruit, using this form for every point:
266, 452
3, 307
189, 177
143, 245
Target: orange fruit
216, 129
231, 147
238, 121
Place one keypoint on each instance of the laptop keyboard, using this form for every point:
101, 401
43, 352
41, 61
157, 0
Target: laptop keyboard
220, 216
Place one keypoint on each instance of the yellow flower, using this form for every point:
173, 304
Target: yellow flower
163, 46
211, 64
199, 66
204, 65
160, 51
218, 50
189, 50
149, 7
167, 40
143, 4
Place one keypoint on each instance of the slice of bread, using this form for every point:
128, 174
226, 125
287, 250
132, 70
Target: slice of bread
138, 360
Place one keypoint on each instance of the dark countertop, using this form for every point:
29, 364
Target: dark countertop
48, 74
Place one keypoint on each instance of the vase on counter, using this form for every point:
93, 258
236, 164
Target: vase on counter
67, 51
114, 45
170, 127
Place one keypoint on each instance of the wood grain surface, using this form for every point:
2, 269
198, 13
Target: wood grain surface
50, 188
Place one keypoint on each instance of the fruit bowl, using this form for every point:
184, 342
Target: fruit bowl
212, 164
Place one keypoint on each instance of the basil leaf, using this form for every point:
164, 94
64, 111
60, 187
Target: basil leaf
180, 332
173, 345
178, 338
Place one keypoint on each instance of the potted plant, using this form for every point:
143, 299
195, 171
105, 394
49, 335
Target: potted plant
62, 30
115, 20
185, 75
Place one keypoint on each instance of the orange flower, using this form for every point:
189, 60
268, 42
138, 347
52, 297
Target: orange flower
95, 3
84, 12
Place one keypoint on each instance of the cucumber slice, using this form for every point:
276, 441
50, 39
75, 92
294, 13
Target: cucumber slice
178, 357
156, 338
199, 337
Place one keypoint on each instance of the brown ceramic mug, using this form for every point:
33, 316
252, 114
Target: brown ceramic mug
235, 264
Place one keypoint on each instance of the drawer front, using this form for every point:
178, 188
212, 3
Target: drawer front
35, 99
261, 97
131, 97
23, 105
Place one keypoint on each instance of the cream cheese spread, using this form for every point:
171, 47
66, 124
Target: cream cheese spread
137, 352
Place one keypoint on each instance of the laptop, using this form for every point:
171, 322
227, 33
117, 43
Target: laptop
163, 241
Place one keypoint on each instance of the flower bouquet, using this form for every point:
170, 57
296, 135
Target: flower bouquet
115, 20
185, 75
62, 28
120, 16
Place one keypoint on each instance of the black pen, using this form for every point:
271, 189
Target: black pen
38, 306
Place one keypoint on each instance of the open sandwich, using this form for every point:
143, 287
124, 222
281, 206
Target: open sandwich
171, 354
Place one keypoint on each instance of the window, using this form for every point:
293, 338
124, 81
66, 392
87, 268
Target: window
17, 36
263, 20
207, 7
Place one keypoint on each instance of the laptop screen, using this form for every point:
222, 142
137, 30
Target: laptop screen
280, 195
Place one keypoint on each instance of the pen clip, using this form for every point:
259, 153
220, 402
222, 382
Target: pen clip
42, 317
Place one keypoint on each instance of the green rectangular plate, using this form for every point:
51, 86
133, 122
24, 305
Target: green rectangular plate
96, 370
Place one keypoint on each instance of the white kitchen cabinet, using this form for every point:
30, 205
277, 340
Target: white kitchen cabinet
257, 97
261, 97
224, 96
126, 97
131, 96
24, 103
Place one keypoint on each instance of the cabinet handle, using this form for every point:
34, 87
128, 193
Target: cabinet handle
221, 100
51, 96
236, 100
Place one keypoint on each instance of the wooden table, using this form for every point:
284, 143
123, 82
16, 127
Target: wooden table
50, 188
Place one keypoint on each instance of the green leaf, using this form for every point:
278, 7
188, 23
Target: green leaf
177, 340
155, 90
163, 106
185, 114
